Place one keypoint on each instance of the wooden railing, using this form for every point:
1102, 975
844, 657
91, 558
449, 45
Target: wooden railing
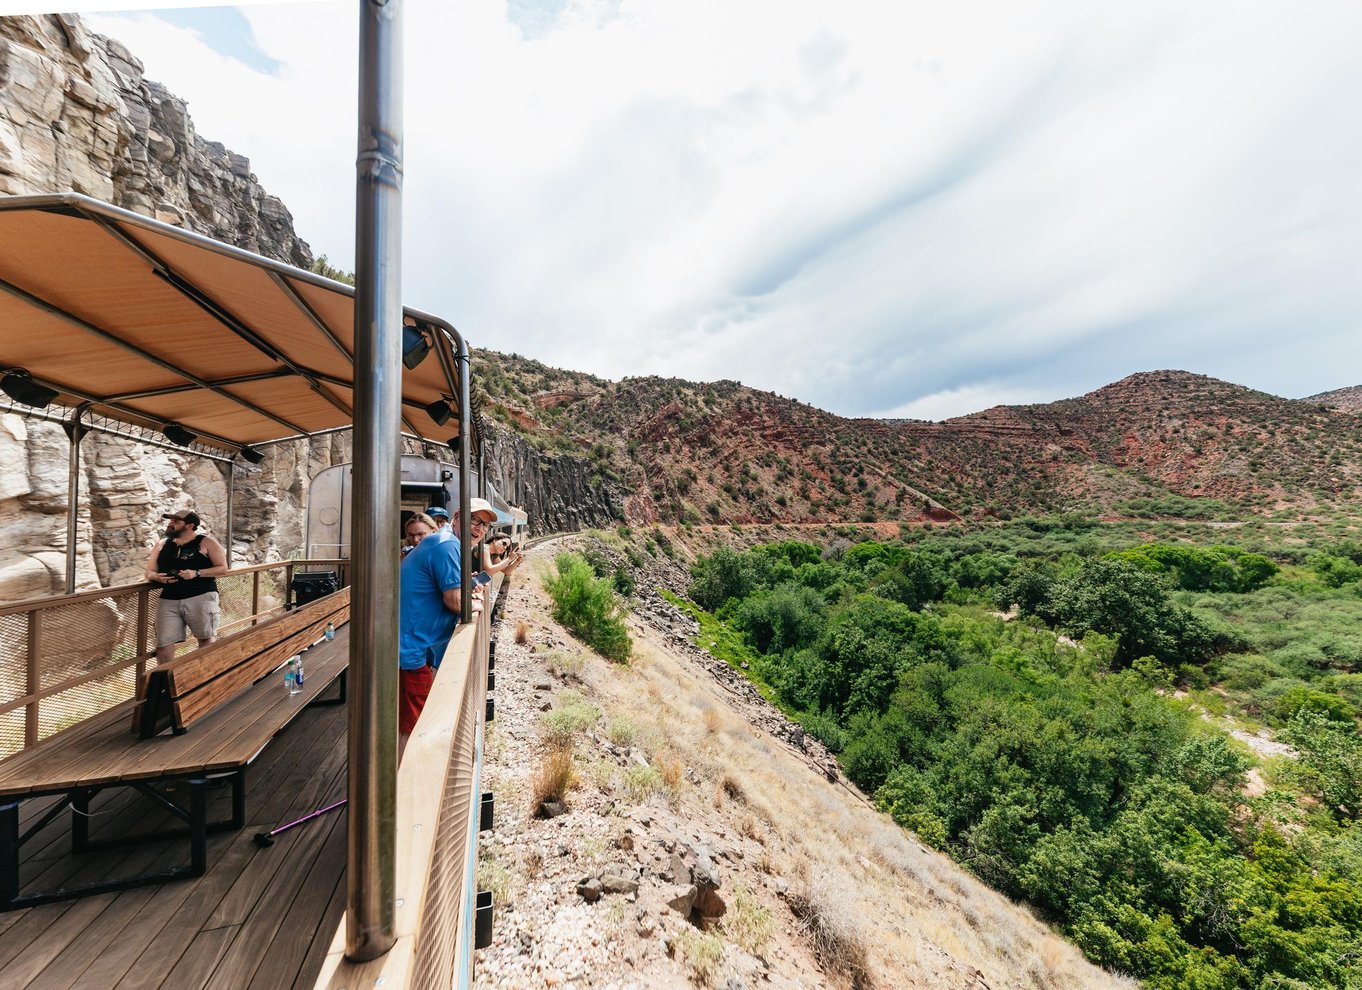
438, 800
68, 657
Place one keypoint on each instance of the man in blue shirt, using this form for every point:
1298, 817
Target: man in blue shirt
431, 599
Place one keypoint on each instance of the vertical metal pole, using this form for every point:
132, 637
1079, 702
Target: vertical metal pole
74, 432
231, 491
465, 465
370, 928
35, 675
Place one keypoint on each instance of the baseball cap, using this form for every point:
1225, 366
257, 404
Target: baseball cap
482, 507
438, 512
192, 518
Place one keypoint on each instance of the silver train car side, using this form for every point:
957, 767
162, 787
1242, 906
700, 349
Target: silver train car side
425, 482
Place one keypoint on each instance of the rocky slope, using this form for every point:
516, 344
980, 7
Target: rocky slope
704, 840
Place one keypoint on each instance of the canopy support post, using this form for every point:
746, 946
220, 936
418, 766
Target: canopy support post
371, 863
231, 493
75, 430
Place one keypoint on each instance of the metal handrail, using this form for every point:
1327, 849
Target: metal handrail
438, 801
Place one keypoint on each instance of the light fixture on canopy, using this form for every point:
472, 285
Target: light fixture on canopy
19, 385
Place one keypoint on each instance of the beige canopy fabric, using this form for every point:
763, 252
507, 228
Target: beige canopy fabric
147, 324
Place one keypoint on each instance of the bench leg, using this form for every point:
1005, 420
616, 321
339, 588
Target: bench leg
198, 826
9, 854
317, 702
239, 799
80, 821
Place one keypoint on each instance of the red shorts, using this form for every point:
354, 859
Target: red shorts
413, 687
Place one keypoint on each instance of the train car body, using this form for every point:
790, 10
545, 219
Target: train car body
425, 482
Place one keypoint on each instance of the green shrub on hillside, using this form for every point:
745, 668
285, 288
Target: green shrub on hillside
587, 605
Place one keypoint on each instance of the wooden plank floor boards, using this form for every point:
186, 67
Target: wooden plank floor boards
260, 917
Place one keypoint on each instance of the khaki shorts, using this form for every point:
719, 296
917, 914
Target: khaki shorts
200, 614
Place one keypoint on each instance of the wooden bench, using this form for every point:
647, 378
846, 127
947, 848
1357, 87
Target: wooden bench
224, 704
181, 692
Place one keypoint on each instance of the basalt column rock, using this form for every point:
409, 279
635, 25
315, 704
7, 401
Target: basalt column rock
560, 494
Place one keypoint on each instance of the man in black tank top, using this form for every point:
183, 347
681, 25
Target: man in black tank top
186, 565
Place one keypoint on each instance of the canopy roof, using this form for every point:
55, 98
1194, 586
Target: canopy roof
148, 324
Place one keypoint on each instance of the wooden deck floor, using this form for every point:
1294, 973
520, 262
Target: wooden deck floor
260, 918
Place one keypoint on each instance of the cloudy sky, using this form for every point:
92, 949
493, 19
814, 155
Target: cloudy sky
887, 209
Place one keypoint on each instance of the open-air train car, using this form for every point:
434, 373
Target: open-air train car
113, 322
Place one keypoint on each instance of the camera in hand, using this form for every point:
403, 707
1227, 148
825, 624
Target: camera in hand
171, 576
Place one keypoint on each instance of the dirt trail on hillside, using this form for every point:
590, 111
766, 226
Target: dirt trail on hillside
683, 780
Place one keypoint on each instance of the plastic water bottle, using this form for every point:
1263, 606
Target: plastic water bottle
298, 673
330, 631
291, 677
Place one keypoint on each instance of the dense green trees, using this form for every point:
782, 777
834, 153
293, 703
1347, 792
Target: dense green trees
1040, 753
1218, 568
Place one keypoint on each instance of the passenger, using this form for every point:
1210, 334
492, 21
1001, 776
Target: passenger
186, 564
418, 527
502, 559
431, 600
441, 516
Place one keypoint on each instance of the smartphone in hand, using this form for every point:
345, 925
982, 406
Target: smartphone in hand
481, 578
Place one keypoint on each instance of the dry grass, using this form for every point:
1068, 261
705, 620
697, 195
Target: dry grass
672, 769
730, 788
622, 731
522, 632
829, 916
641, 783
552, 779
573, 716
565, 664
493, 876
750, 826
748, 921
702, 953
713, 720
601, 775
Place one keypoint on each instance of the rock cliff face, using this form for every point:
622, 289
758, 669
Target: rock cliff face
77, 114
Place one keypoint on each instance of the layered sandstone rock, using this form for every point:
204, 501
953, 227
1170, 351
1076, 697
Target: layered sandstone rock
77, 114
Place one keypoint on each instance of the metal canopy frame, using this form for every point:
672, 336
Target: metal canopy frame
113, 405
81, 410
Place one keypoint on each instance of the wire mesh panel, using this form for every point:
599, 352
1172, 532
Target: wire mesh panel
11, 732
442, 919
84, 636
13, 658
235, 600
66, 659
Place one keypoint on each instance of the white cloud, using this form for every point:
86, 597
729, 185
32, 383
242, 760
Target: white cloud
872, 207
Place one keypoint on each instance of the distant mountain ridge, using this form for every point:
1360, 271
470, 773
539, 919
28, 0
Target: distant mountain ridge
1348, 399
723, 453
